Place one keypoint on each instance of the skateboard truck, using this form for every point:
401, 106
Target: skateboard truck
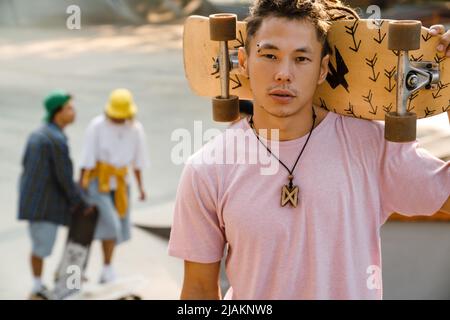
222, 28
400, 126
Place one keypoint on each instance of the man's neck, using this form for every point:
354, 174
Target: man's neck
59, 124
290, 128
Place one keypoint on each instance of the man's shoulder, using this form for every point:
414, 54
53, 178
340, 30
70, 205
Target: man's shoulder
361, 124
97, 121
359, 129
42, 135
137, 126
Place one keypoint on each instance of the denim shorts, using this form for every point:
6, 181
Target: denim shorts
110, 226
43, 236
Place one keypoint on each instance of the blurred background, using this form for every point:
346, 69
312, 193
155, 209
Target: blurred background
138, 44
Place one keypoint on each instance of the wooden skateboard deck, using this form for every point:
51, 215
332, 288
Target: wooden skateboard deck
76, 252
361, 82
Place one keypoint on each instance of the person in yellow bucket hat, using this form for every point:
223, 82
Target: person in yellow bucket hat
121, 105
114, 142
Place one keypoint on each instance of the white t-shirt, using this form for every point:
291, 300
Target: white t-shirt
116, 144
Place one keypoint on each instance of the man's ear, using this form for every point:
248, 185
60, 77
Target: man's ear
243, 62
324, 69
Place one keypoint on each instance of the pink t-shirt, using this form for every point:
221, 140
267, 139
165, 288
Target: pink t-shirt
328, 247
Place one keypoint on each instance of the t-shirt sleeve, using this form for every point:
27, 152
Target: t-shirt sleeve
141, 160
89, 150
197, 234
412, 181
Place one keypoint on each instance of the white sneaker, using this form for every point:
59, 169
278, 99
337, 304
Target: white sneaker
42, 294
108, 275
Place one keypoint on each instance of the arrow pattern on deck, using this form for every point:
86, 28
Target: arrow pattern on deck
350, 110
410, 100
439, 59
368, 99
447, 109
241, 41
236, 81
427, 37
378, 24
441, 86
371, 63
417, 59
390, 76
429, 112
352, 31
215, 61
323, 104
388, 108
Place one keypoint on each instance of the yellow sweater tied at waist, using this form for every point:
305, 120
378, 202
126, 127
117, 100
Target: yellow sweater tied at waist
103, 172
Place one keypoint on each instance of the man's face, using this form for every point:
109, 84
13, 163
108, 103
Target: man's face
67, 113
284, 66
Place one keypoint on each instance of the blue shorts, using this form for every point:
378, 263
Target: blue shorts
110, 226
43, 236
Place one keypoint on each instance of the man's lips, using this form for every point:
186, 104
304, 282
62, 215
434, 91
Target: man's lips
282, 96
282, 93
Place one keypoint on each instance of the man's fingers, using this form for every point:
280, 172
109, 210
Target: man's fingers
444, 43
437, 29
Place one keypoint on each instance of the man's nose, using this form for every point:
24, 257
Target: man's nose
284, 73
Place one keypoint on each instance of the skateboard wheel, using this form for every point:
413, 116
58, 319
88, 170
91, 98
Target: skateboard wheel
225, 109
400, 128
404, 35
222, 26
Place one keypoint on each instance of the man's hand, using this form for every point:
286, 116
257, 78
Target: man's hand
89, 210
444, 43
142, 195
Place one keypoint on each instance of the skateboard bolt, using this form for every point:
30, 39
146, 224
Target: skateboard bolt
412, 81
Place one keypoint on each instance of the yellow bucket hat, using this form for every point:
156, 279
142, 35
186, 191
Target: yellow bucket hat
121, 105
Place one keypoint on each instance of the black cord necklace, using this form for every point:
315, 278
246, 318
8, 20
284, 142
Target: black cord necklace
289, 192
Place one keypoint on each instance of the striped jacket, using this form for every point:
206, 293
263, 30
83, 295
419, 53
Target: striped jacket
47, 189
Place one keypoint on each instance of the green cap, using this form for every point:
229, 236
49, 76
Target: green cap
55, 101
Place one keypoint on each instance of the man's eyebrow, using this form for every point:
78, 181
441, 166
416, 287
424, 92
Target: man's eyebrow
269, 46
266, 46
304, 49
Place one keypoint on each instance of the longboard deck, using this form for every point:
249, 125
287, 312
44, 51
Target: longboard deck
361, 80
75, 255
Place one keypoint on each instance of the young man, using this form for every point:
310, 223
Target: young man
114, 141
48, 193
320, 237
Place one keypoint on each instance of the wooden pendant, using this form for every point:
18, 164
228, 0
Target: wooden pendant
289, 194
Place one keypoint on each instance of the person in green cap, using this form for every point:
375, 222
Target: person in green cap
48, 194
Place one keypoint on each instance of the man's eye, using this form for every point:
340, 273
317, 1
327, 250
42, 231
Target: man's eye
270, 56
301, 59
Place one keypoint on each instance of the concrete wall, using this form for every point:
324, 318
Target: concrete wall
416, 260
